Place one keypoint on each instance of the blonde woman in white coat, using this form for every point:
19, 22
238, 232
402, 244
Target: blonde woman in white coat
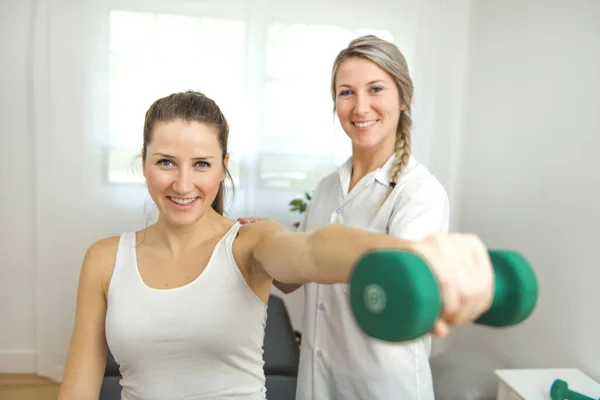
381, 188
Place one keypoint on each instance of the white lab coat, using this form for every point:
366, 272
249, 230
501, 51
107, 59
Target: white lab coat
337, 360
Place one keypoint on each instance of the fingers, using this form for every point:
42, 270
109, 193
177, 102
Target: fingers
452, 299
464, 272
479, 279
249, 220
440, 329
470, 288
464, 286
443, 253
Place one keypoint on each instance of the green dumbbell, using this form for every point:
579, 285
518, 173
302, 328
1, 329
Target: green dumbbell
395, 297
560, 391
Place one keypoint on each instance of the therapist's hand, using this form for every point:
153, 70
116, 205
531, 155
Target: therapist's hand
250, 220
465, 275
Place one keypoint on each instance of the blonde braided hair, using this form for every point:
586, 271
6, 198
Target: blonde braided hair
389, 58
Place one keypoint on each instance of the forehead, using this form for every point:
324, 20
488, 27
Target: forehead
184, 137
357, 71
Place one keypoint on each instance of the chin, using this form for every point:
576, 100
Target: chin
366, 143
179, 221
182, 219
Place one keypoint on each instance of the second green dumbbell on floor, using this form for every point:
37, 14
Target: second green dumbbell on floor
395, 296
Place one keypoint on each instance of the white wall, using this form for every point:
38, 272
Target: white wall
440, 91
17, 256
531, 174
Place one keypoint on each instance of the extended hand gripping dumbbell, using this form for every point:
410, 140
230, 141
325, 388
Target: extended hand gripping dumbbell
395, 296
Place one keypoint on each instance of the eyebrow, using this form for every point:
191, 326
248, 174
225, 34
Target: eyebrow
170, 156
368, 83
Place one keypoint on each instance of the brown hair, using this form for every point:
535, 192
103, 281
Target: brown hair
389, 58
191, 106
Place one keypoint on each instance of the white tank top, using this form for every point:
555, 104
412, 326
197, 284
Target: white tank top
203, 340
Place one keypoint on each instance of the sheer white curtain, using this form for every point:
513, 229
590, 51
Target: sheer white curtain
96, 66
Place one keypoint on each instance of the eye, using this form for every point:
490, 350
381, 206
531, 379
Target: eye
377, 89
345, 93
164, 162
203, 164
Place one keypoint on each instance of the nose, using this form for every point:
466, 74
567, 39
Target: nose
362, 106
183, 183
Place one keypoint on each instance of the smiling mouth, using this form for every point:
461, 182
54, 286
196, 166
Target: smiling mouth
365, 124
182, 201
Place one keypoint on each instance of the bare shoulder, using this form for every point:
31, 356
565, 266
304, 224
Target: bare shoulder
104, 247
103, 251
250, 236
257, 230
99, 261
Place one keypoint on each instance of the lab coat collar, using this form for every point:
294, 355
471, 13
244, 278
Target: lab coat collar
381, 175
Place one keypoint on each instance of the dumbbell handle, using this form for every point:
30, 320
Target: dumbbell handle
395, 296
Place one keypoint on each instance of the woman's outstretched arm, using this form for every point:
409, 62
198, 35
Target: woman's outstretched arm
328, 255
325, 255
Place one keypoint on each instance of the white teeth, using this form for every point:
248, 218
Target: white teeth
364, 124
183, 202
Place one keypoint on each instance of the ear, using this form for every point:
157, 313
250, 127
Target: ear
225, 164
402, 107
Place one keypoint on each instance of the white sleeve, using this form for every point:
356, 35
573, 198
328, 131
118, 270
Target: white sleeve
422, 208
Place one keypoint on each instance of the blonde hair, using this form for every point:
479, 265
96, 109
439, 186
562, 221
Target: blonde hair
389, 58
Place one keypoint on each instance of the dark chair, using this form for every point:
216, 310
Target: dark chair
281, 356
111, 388
281, 352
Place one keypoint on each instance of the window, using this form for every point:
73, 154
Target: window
152, 55
271, 80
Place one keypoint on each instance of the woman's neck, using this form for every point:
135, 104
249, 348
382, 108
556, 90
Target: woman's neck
365, 160
177, 239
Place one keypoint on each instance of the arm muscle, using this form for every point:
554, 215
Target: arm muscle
326, 255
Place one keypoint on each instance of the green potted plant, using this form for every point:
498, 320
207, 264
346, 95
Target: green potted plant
299, 205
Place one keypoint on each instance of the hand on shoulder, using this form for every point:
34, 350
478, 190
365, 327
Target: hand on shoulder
250, 220
262, 226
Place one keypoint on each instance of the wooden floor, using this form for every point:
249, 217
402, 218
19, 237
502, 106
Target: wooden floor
27, 387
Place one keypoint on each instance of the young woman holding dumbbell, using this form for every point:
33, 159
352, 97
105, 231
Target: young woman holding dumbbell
181, 304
